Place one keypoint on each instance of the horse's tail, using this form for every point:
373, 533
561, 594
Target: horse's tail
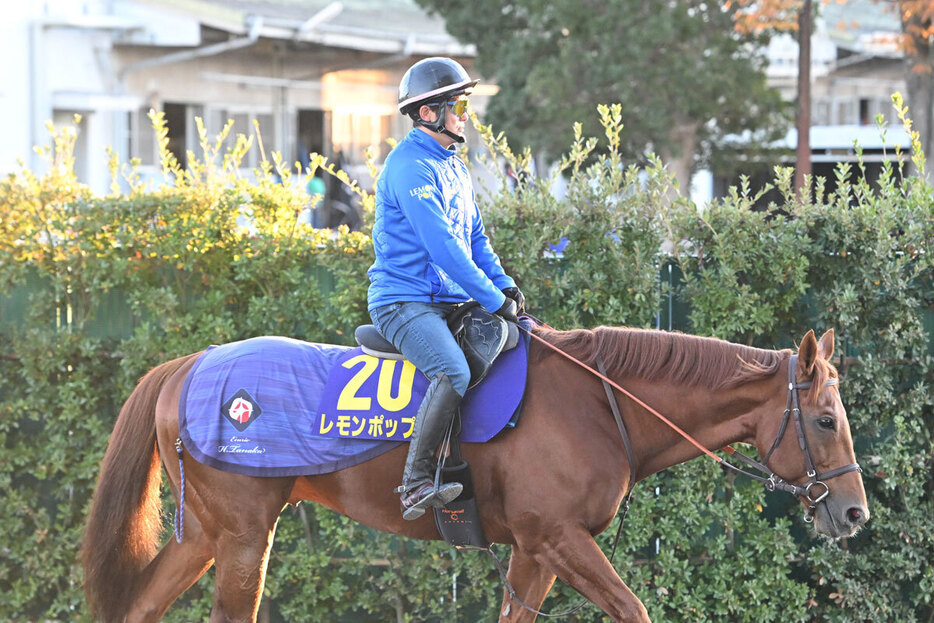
124, 524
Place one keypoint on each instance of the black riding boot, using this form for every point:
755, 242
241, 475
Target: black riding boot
431, 422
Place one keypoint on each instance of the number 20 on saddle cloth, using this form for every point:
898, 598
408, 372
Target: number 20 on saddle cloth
275, 406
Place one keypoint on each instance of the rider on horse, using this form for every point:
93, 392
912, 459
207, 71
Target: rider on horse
431, 256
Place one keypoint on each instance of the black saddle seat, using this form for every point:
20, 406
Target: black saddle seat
373, 343
481, 335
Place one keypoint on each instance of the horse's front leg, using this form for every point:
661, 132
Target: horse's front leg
574, 556
531, 581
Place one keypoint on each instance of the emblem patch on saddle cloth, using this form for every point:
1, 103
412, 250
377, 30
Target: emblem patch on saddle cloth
370, 398
241, 410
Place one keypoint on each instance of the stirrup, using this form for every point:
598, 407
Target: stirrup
433, 496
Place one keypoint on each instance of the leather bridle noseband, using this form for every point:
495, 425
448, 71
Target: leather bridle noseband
773, 482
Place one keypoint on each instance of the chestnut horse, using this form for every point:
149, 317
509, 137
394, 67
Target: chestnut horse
566, 442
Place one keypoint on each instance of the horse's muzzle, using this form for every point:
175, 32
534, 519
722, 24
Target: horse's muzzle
839, 520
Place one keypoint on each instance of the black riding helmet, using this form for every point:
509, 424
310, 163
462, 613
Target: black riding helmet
433, 81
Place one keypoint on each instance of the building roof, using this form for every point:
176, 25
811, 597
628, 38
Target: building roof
388, 26
864, 26
837, 143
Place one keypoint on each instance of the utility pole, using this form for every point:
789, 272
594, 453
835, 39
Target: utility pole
803, 153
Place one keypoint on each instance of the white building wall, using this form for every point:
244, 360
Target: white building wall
81, 57
64, 69
15, 92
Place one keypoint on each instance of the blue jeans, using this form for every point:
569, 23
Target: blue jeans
419, 331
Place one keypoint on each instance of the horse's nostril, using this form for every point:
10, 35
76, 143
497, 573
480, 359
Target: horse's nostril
856, 516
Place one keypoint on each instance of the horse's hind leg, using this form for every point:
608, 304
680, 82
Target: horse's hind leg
245, 511
241, 572
172, 571
531, 581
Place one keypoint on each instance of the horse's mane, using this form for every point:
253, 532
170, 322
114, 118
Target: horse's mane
667, 356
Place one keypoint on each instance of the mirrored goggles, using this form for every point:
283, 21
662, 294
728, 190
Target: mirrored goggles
458, 105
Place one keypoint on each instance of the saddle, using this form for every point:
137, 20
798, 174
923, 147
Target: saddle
482, 336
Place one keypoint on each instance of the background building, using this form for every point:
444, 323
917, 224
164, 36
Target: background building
321, 76
856, 66
313, 75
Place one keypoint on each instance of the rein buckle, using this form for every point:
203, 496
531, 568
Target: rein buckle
820, 498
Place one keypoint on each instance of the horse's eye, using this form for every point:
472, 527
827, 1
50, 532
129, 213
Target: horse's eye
827, 423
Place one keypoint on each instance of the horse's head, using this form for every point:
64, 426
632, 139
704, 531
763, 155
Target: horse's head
812, 447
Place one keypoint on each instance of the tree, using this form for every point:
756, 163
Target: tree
917, 25
685, 78
786, 15
917, 31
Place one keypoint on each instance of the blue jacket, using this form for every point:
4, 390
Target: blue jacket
428, 236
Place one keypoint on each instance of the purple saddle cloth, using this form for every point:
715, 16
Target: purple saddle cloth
275, 406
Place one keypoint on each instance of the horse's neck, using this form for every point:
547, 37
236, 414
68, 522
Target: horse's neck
712, 418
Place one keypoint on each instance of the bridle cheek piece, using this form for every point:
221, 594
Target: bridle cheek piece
774, 482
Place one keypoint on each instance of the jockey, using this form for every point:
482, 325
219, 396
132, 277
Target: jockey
432, 255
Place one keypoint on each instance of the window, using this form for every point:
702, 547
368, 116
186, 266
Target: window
822, 112
845, 112
363, 107
864, 112
142, 137
217, 118
176, 121
355, 131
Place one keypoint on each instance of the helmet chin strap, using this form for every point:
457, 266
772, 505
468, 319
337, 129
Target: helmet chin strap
457, 137
440, 124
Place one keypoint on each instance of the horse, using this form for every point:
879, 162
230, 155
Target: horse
567, 442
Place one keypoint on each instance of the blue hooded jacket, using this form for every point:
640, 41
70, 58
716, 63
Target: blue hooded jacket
428, 236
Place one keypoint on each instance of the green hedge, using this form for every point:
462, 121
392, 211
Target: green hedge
95, 290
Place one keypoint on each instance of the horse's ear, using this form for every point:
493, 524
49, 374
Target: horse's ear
825, 345
807, 354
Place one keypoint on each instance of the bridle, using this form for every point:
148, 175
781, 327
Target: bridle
772, 482
775, 483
